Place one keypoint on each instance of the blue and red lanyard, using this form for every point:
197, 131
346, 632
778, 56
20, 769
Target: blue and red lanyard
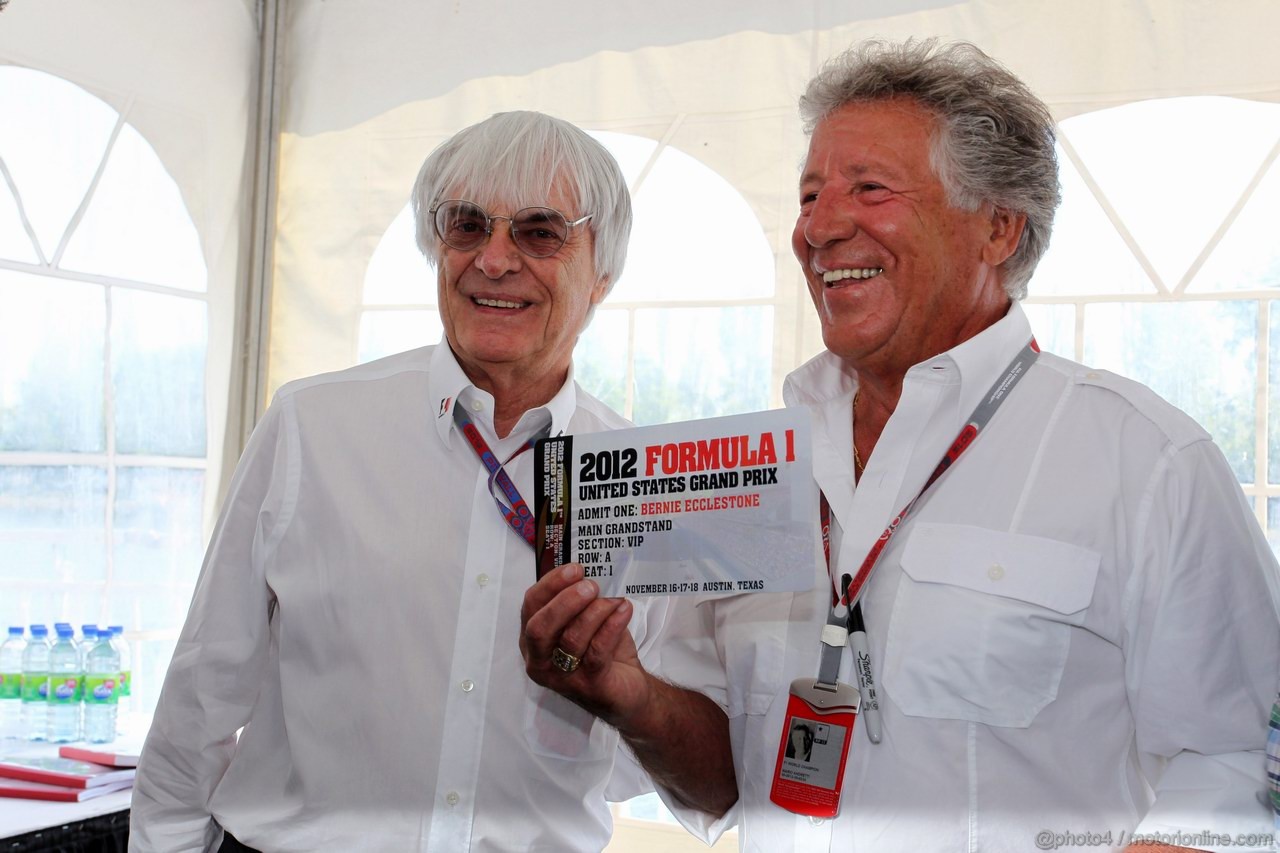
518, 515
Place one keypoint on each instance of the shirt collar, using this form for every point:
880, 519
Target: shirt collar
981, 360
974, 365
447, 385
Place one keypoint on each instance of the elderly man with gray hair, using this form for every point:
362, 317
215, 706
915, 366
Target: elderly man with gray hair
1069, 610
356, 618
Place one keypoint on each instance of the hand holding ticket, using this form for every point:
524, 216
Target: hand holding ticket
722, 505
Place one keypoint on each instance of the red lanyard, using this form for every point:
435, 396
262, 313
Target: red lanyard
518, 515
981, 416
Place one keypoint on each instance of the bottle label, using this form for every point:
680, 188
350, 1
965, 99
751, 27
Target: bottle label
35, 687
10, 685
64, 690
101, 689
126, 683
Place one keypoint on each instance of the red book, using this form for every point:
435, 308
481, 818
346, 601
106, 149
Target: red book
66, 772
98, 756
58, 793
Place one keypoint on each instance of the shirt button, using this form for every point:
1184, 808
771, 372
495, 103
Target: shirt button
1092, 375
482, 580
819, 821
476, 406
468, 685
996, 572
452, 798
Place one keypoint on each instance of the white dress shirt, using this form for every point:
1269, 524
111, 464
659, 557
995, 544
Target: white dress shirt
358, 615
1075, 632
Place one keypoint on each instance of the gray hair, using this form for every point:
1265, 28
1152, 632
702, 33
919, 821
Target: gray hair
515, 158
994, 141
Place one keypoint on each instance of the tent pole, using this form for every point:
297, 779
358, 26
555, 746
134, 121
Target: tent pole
256, 307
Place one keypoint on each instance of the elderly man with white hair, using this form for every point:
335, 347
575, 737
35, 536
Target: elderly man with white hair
357, 615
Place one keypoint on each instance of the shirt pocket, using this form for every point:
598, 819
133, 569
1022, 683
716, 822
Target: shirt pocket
982, 621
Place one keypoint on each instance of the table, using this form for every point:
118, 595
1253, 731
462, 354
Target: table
100, 825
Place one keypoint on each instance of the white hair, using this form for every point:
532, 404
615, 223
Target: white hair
516, 158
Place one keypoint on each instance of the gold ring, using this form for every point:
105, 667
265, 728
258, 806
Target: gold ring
564, 661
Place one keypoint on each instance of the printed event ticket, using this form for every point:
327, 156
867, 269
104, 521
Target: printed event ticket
716, 506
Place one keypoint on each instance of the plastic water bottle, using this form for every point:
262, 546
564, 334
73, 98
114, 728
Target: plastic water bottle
88, 639
126, 673
35, 684
101, 693
64, 687
11, 683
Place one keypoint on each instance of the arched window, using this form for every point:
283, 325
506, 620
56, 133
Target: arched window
1164, 267
103, 335
664, 346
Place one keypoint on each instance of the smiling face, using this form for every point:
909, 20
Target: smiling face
505, 313
896, 273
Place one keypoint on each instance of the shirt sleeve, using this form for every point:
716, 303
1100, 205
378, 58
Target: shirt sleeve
1202, 654
730, 649
628, 779
214, 677
689, 656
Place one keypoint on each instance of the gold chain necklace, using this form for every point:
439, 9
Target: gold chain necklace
858, 467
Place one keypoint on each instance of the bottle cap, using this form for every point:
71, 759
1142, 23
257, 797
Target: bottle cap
39, 630
15, 630
65, 631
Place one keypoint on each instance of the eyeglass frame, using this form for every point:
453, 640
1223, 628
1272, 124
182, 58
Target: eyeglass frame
511, 225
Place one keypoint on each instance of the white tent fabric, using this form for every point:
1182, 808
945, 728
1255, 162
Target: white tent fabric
373, 86
368, 87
